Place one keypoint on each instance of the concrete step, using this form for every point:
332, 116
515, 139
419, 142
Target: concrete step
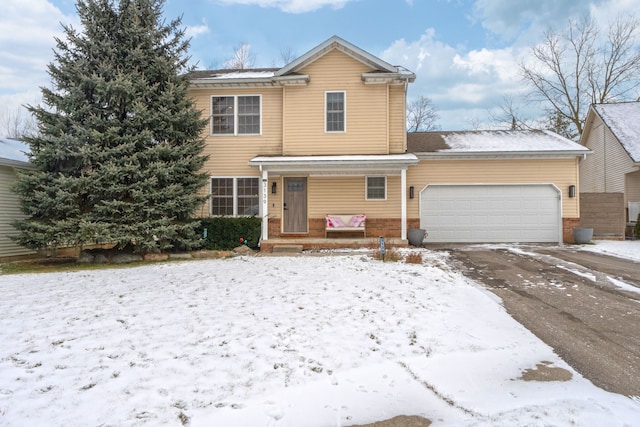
291, 249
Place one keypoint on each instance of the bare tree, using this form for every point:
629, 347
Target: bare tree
510, 116
421, 115
287, 55
576, 67
242, 59
17, 123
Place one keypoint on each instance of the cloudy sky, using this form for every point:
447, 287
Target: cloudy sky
465, 53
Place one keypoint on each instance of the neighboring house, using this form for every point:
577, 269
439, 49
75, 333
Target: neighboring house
12, 157
326, 134
610, 178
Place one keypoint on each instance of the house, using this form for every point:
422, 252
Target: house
12, 158
610, 178
326, 135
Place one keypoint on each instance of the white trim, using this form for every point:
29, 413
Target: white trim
403, 204
344, 111
264, 205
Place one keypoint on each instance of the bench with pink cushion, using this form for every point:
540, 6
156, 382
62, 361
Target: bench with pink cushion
345, 223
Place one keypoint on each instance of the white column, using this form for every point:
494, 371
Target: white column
264, 210
403, 204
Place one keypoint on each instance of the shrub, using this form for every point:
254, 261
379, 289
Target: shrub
390, 255
224, 233
636, 229
413, 258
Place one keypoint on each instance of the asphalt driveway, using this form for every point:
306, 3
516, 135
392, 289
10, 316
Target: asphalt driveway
570, 300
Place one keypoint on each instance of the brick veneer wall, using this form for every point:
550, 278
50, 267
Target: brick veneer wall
375, 227
567, 229
605, 213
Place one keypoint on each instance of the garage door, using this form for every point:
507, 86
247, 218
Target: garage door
490, 213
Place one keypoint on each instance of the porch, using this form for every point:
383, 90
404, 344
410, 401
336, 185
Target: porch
317, 243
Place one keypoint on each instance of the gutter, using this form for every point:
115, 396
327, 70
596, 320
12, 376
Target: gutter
501, 155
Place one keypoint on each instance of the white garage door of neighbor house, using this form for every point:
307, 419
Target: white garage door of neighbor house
490, 213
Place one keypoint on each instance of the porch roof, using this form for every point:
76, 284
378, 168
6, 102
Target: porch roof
390, 164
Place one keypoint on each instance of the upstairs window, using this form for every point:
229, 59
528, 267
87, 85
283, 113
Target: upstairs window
235, 115
376, 188
334, 111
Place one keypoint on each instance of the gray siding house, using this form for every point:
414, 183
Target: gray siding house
12, 157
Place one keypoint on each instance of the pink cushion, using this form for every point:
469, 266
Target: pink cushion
356, 220
335, 221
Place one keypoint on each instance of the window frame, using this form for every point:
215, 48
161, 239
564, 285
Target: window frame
344, 111
235, 195
366, 188
236, 115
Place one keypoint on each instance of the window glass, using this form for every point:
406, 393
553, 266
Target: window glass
248, 196
243, 201
335, 111
222, 115
226, 119
248, 114
376, 187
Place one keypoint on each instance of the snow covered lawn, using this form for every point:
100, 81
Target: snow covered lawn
278, 341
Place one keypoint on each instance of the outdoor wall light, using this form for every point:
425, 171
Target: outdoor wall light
411, 192
274, 188
572, 191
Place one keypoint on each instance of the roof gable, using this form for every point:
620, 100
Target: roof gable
623, 119
337, 43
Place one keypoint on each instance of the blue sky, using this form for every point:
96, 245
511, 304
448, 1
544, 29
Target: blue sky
465, 53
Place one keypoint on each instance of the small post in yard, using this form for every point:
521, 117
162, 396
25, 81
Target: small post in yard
382, 248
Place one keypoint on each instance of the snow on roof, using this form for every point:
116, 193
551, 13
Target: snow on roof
13, 150
624, 121
259, 73
491, 141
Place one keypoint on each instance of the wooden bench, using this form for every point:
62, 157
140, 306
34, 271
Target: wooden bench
345, 223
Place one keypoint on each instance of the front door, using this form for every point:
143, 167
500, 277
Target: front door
294, 216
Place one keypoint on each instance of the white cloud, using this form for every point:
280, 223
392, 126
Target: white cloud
193, 31
457, 80
27, 31
292, 6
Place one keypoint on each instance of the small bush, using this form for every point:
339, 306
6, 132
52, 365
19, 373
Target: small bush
224, 233
413, 258
390, 255
636, 229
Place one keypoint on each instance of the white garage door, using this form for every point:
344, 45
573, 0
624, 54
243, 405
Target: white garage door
490, 213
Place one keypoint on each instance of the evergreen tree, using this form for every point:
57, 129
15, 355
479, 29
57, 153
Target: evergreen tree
120, 148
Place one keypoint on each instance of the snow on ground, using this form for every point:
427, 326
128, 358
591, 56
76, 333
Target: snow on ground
629, 249
277, 341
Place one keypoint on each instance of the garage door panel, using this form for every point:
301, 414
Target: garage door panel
490, 213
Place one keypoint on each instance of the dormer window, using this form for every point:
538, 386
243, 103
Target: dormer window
235, 115
335, 107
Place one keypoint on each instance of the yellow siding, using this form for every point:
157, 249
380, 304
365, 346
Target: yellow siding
366, 111
324, 199
229, 155
397, 120
561, 172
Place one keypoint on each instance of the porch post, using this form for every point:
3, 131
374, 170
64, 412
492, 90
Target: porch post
403, 204
264, 211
